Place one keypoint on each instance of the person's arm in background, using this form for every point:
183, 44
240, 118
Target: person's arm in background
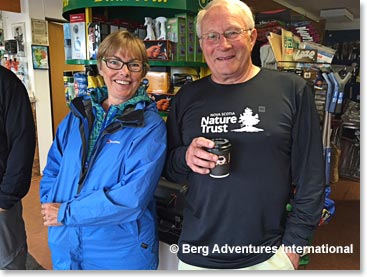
308, 174
20, 142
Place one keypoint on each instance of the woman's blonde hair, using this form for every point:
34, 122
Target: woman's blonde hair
127, 42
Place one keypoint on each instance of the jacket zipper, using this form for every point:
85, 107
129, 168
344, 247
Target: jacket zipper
108, 130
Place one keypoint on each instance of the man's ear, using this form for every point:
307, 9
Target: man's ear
253, 37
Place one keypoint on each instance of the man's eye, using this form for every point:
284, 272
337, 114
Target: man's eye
212, 36
231, 34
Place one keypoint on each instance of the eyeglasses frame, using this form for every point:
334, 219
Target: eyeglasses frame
242, 30
123, 63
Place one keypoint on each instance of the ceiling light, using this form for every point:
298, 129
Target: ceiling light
336, 14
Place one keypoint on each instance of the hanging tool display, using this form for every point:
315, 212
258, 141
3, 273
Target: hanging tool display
333, 105
329, 205
340, 83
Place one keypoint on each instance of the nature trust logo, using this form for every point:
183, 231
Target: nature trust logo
248, 121
221, 122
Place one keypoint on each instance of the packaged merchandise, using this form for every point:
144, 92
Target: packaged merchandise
77, 30
96, 33
176, 32
67, 41
159, 49
159, 82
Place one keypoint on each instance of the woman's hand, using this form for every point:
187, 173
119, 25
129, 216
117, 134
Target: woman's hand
50, 212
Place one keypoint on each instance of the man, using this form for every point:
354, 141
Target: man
240, 221
17, 146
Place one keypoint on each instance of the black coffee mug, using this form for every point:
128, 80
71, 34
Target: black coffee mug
222, 149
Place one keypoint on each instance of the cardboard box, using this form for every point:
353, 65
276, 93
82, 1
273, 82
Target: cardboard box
77, 30
198, 55
114, 28
190, 36
159, 49
176, 32
159, 82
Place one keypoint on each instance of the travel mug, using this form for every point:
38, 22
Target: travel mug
222, 149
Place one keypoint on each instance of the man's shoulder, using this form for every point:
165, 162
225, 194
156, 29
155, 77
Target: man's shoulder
282, 75
6, 74
190, 89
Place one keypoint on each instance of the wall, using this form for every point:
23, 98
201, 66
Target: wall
39, 79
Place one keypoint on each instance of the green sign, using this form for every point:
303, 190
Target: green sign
185, 5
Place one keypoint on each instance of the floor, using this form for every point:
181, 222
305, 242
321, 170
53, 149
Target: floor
342, 230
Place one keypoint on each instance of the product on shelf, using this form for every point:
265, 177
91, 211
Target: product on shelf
159, 49
189, 35
176, 32
67, 41
159, 82
161, 27
77, 30
96, 33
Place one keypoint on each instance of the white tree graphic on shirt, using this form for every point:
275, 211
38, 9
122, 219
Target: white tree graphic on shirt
247, 121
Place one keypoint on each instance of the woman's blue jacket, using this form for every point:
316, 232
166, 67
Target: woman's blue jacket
107, 210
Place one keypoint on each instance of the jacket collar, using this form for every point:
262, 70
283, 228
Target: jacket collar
132, 116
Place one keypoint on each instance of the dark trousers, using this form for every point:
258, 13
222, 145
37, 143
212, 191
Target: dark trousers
13, 239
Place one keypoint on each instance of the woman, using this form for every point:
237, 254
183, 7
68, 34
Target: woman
103, 168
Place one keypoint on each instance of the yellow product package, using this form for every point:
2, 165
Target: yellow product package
287, 48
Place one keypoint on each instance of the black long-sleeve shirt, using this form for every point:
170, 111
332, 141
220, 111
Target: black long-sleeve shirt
272, 123
17, 139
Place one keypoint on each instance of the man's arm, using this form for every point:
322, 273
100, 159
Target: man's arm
20, 136
307, 171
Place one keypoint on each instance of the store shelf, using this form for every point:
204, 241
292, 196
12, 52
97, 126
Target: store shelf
132, 10
151, 63
81, 62
178, 64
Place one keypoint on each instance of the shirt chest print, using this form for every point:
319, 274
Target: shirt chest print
219, 122
248, 121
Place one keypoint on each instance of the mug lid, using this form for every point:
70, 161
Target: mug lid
221, 143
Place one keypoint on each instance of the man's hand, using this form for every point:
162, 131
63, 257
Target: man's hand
198, 159
293, 257
49, 212
2, 210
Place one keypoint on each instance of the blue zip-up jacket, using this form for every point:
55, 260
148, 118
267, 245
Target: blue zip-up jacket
108, 210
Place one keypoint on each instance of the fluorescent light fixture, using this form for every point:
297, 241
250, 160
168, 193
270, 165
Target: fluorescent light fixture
336, 14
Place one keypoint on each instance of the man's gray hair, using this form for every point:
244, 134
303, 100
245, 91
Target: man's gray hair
232, 4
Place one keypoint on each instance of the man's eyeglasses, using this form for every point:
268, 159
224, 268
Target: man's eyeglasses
116, 64
230, 35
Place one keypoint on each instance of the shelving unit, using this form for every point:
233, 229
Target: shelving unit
134, 11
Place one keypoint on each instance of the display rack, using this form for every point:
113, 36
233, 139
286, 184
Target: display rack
134, 11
